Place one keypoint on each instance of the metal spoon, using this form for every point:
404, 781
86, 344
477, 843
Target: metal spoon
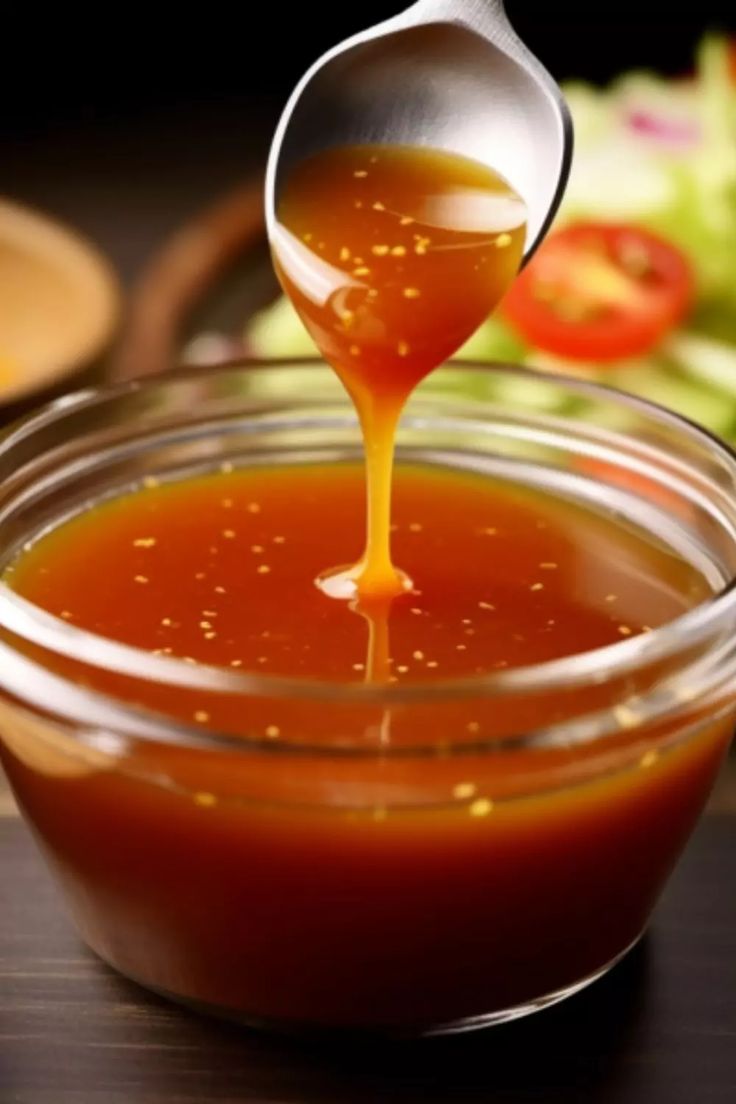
450, 74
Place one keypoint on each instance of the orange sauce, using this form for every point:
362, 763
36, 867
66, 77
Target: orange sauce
220, 569
393, 257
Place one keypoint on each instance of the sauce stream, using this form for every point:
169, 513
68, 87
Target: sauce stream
393, 256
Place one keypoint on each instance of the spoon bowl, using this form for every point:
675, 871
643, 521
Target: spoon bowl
448, 74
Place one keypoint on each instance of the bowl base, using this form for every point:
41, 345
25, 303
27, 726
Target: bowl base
453, 1027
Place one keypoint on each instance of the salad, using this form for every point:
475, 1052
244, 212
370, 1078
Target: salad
635, 284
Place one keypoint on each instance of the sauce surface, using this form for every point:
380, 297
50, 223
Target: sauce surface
219, 569
393, 257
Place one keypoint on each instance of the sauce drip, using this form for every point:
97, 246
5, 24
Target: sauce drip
393, 257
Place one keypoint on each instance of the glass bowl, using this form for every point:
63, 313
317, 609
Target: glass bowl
328, 882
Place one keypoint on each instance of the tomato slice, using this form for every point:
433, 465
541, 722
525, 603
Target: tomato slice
599, 291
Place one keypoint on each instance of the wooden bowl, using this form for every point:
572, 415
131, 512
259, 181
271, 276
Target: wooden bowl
212, 274
59, 305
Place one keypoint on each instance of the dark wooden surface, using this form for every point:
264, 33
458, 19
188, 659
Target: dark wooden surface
660, 1029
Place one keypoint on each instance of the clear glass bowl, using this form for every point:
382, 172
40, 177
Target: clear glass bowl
319, 883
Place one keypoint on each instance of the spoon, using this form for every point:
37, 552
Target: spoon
450, 74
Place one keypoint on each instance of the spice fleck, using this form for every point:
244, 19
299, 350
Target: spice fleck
206, 800
626, 717
464, 790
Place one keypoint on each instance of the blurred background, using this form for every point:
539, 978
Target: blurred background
125, 119
67, 69
132, 123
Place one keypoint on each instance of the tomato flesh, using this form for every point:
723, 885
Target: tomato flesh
600, 292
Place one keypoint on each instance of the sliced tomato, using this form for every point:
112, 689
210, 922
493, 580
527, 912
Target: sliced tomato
732, 58
599, 291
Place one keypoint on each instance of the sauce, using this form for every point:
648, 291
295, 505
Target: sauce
393, 257
301, 885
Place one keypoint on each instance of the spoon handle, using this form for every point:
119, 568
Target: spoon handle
487, 17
